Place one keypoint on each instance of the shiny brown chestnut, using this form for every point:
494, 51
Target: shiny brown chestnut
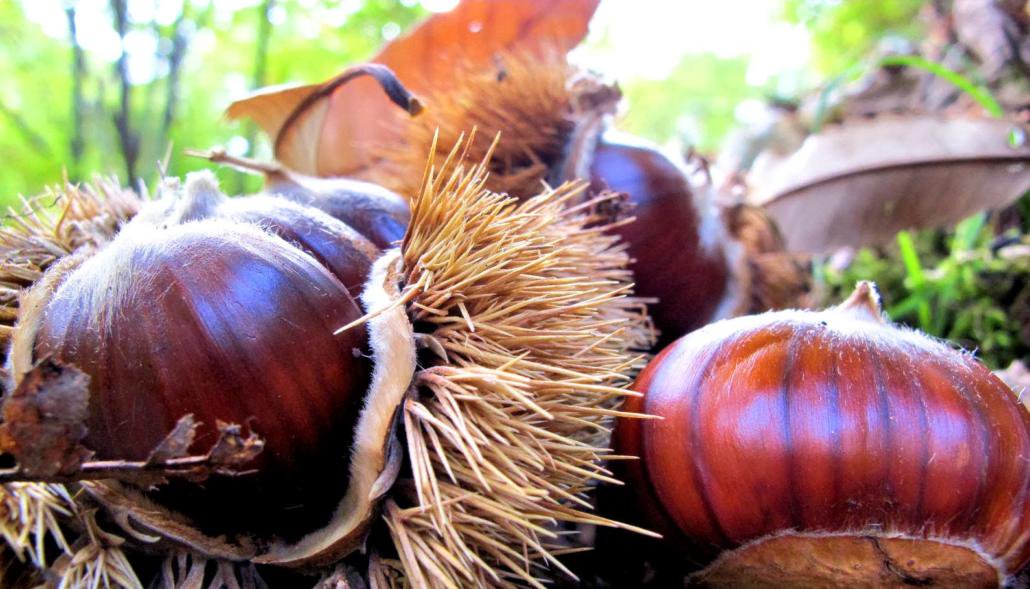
377, 214
682, 253
335, 244
831, 448
555, 121
194, 308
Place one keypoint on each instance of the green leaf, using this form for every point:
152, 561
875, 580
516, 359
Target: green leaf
978, 93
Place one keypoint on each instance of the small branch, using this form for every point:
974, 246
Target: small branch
191, 467
175, 59
218, 155
30, 135
44, 425
226, 457
258, 79
128, 140
76, 144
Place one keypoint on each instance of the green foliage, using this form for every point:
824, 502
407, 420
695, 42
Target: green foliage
695, 104
967, 285
310, 40
846, 32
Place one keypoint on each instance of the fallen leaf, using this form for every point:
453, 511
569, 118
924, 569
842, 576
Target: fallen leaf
177, 443
232, 449
860, 183
1017, 377
340, 124
270, 107
294, 116
989, 31
45, 420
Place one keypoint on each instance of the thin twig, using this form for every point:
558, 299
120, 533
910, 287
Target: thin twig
76, 142
180, 44
128, 140
188, 467
30, 135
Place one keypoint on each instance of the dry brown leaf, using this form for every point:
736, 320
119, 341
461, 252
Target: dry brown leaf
270, 107
468, 37
334, 135
45, 420
989, 31
860, 183
177, 443
1017, 376
232, 449
294, 117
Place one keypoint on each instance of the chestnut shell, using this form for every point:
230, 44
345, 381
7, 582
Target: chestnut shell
827, 422
677, 246
378, 214
226, 322
331, 242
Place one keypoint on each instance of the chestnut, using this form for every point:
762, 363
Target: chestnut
555, 122
202, 314
376, 213
337, 245
682, 254
442, 434
831, 448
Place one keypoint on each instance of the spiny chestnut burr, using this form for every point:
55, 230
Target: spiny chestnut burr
555, 121
500, 334
195, 309
831, 449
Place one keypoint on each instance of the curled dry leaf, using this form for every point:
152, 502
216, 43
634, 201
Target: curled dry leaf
860, 183
44, 424
991, 32
45, 421
326, 129
233, 449
1017, 376
177, 443
294, 116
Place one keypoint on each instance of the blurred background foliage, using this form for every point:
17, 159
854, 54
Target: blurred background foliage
90, 84
116, 86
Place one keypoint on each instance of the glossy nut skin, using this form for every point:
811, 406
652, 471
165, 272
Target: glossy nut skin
378, 214
227, 322
821, 422
331, 242
677, 245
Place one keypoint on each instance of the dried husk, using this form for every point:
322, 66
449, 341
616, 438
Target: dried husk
337, 133
526, 99
527, 308
50, 227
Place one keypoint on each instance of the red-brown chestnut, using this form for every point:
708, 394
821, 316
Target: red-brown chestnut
683, 255
224, 309
441, 466
831, 448
499, 67
376, 213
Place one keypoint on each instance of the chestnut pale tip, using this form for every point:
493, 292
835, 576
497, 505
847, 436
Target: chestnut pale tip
863, 303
